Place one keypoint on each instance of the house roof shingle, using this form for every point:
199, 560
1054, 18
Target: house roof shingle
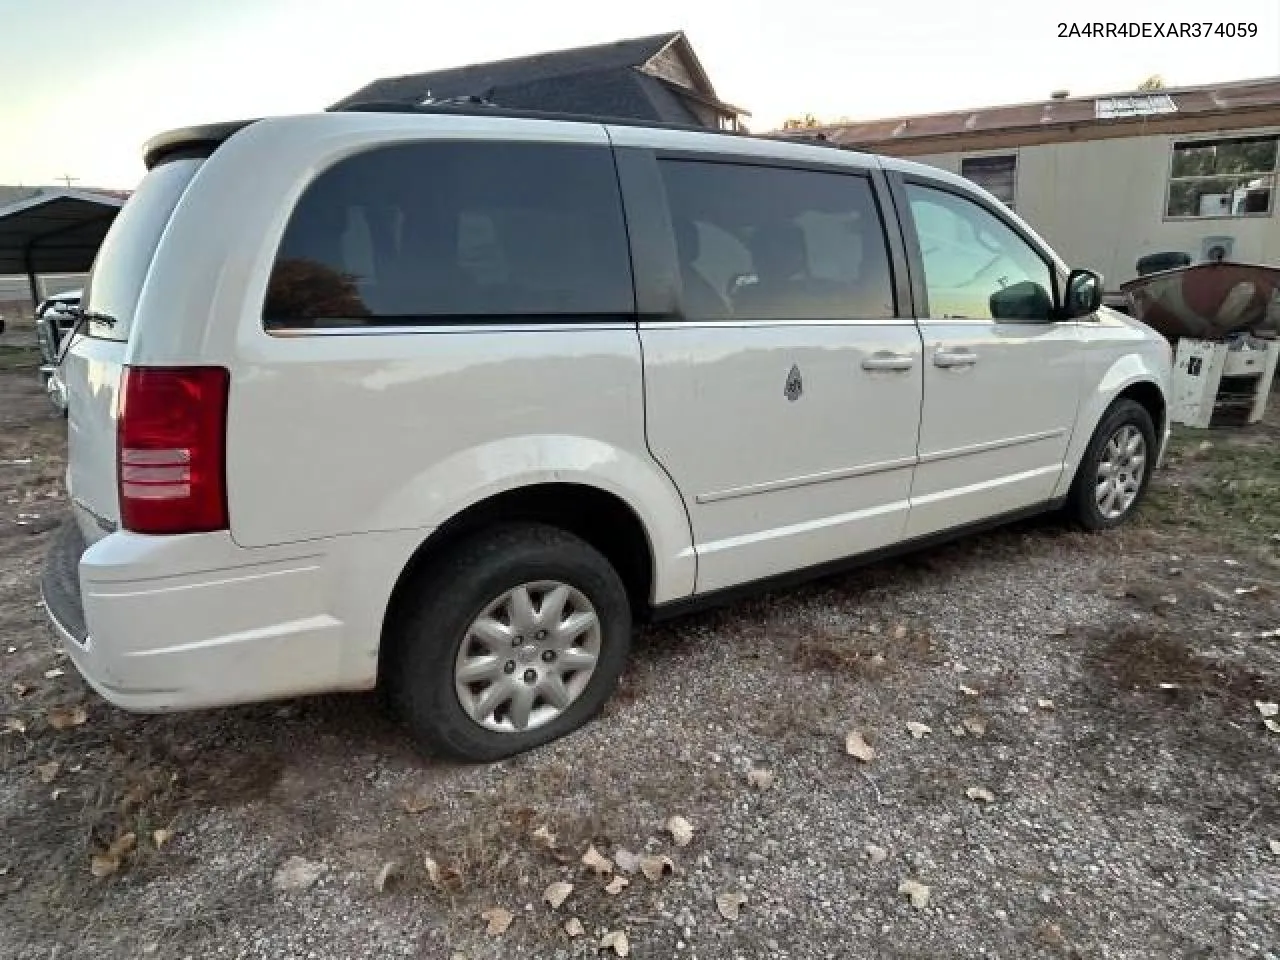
482, 78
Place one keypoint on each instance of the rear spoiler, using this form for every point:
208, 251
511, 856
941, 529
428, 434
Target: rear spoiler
189, 142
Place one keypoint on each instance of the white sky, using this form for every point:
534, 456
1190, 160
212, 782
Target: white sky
83, 83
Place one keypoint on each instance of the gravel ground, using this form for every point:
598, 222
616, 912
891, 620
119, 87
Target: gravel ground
1101, 688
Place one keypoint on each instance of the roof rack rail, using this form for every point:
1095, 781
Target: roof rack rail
477, 107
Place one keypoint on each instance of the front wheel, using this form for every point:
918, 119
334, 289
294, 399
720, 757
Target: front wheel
1116, 468
515, 638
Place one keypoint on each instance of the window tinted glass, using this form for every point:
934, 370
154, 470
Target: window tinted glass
975, 265
442, 231
765, 243
121, 266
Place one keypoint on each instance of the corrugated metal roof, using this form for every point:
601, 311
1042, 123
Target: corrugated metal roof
1263, 92
58, 231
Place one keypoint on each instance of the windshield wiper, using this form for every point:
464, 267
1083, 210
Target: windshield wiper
82, 317
92, 316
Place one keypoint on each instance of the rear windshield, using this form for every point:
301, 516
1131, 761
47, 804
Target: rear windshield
125, 256
442, 232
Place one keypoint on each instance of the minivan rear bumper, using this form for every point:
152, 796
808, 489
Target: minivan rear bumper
158, 623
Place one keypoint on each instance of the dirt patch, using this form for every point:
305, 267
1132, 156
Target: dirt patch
869, 653
1142, 659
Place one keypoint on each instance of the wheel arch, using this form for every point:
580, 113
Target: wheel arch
601, 518
1147, 394
1132, 376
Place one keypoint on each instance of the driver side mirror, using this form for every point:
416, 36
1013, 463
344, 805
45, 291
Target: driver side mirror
1082, 296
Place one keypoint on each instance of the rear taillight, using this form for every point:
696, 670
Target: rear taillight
171, 444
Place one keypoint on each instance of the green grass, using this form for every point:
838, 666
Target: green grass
18, 358
1229, 491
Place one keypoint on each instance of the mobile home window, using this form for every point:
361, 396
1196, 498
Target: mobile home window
996, 175
1222, 178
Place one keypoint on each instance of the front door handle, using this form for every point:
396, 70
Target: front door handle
960, 357
885, 360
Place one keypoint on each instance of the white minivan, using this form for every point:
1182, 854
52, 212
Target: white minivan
443, 399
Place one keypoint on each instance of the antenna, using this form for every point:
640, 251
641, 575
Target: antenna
67, 179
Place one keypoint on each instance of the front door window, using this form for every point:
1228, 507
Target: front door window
976, 267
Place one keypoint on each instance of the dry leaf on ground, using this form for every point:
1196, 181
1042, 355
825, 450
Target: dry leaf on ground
54, 673
655, 868
593, 860
14, 725
729, 904
627, 861
544, 836
1271, 725
975, 725
617, 885
103, 864
417, 802
876, 853
1275, 846
64, 718
160, 837
442, 878
917, 892
1267, 709
681, 830
1044, 703
556, 893
855, 745
919, 730
21, 689
980, 793
385, 875
108, 862
616, 941
573, 927
899, 631
968, 691
47, 771
297, 873
498, 920
760, 779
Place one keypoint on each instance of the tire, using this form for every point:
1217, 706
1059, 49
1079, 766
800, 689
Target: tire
440, 606
1085, 501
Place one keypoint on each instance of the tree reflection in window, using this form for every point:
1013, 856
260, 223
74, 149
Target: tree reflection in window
306, 290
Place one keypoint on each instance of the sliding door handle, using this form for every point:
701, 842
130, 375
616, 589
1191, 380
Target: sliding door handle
885, 360
959, 357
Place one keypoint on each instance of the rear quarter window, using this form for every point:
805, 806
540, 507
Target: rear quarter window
455, 231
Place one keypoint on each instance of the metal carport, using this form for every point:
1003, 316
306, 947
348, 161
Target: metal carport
56, 231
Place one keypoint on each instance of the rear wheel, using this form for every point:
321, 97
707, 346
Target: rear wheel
513, 639
1116, 468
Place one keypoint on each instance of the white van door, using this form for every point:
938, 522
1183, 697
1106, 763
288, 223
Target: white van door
1002, 379
782, 390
